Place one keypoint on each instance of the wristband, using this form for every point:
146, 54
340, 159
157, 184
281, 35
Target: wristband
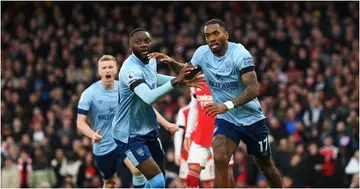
229, 104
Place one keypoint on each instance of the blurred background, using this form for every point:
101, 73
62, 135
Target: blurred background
307, 61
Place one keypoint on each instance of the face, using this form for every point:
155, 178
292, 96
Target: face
216, 37
140, 43
107, 70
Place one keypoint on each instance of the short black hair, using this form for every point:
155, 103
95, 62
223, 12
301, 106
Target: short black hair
137, 30
216, 21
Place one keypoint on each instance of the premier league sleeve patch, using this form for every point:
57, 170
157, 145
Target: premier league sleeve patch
131, 77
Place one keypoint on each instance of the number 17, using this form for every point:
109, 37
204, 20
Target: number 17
262, 146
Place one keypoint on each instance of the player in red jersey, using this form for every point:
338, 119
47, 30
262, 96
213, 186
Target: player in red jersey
181, 155
198, 138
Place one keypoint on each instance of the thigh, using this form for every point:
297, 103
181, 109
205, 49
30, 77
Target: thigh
140, 156
157, 152
226, 138
107, 164
199, 154
255, 137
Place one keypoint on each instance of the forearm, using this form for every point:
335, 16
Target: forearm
176, 66
178, 138
246, 96
162, 79
84, 128
193, 115
161, 120
150, 96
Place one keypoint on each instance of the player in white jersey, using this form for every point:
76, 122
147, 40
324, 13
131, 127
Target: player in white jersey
100, 100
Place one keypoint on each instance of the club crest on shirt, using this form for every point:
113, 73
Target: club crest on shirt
140, 151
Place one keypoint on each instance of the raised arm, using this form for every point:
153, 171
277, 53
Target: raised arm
173, 64
162, 79
133, 78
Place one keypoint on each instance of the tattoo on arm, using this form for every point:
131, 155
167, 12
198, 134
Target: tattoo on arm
251, 89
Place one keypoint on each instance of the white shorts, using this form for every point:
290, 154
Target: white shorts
206, 174
200, 155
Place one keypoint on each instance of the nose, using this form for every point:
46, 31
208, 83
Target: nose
211, 39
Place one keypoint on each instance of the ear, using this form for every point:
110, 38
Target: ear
227, 35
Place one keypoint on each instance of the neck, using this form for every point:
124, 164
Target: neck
108, 86
223, 51
146, 61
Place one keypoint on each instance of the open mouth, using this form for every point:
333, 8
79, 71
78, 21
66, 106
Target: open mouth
145, 52
214, 46
107, 76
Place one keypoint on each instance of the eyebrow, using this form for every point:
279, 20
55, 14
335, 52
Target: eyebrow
212, 31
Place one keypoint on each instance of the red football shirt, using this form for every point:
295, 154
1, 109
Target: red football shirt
204, 128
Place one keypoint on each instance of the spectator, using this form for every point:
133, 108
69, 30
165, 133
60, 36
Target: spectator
43, 174
10, 177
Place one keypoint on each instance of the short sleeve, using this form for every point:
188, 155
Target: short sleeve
196, 58
244, 60
131, 75
85, 102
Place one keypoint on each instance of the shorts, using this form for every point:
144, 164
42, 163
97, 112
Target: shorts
140, 148
255, 136
109, 163
199, 154
206, 174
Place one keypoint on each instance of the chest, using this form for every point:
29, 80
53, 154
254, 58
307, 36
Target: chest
220, 69
150, 76
105, 103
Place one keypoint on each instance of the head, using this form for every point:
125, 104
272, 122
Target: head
140, 43
216, 36
313, 148
328, 141
107, 68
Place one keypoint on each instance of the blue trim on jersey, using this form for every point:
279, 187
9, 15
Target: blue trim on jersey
81, 111
247, 69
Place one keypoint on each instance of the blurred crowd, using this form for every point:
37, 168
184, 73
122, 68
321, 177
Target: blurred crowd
307, 61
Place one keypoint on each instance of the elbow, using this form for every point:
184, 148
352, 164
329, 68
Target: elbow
79, 123
149, 101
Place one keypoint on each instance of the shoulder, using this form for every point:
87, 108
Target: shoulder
202, 49
184, 109
129, 68
88, 92
239, 49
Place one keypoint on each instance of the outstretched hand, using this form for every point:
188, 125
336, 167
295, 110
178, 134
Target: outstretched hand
198, 81
160, 57
181, 78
